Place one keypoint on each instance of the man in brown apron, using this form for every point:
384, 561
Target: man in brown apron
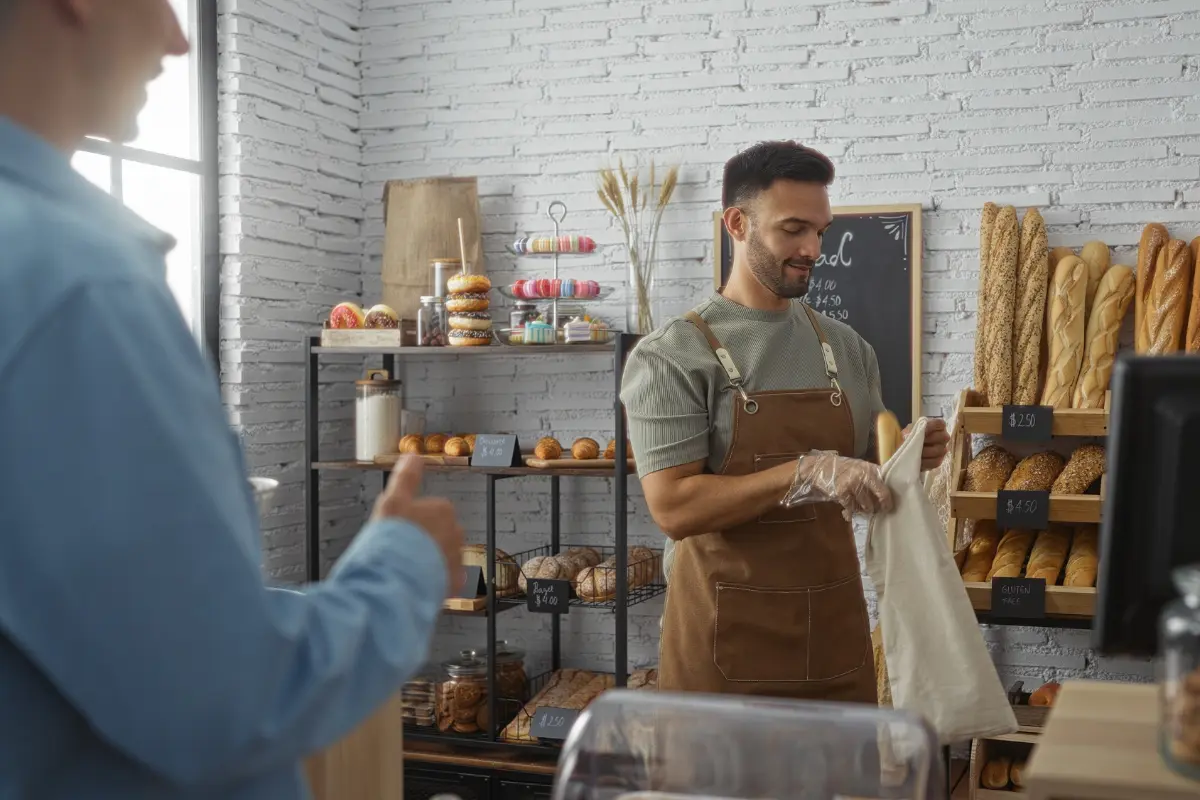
725, 406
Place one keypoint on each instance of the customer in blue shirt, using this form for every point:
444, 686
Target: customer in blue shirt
141, 654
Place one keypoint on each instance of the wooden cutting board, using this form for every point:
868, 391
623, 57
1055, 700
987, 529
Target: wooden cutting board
447, 461
572, 463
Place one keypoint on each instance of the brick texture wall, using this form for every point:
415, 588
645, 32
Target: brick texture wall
1084, 109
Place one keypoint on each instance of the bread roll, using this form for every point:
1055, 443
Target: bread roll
1015, 772
1169, 294
1036, 473
1049, 553
1033, 266
1095, 255
585, 449
1010, 554
981, 552
995, 773
412, 444
547, 568
999, 298
596, 584
1068, 326
547, 449
987, 223
1154, 238
1081, 564
1113, 297
589, 555
435, 443
456, 446
1084, 468
989, 470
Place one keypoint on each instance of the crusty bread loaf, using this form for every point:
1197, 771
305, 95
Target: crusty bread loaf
987, 223
1045, 695
475, 555
981, 552
549, 568
999, 297
1095, 255
561, 686
1113, 298
1056, 257
1084, 467
1066, 332
1011, 553
1169, 294
995, 773
1081, 564
1033, 265
1015, 773
1036, 473
989, 470
1049, 553
1154, 239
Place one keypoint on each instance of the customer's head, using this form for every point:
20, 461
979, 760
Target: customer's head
776, 210
84, 64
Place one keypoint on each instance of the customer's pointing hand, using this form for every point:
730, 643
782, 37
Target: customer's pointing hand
401, 499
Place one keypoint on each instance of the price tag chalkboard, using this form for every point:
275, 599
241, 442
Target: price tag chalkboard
1027, 423
496, 450
1022, 509
1022, 598
869, 277
547, 596
473, 583
552, 723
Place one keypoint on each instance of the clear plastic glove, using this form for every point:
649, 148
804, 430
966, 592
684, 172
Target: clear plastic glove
825, 477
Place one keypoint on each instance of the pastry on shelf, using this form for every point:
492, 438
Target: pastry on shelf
1036, 473
596, 584
381, 316
600, 332
1010, 554
1049, 554
1045, 695
467, 305
610, 450
538, 331
585, 449
435, 443
1081, 563
981, 552
555, 288
413, 444
577, 331
1084, 467
547, 449
995, 773
457, 446
989, 470
588, 555
347, 316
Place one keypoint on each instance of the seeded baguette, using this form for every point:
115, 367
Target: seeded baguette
1030, 307
999, 298
987, 224
1113, 298
1167, 312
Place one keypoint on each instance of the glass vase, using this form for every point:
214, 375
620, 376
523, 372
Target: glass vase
642, 302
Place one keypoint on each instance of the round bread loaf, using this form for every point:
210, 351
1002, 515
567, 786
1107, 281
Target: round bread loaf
588, 554
596, 585
475, 555
547, 568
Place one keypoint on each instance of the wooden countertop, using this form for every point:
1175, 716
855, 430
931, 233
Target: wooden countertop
479, 758
1101, 743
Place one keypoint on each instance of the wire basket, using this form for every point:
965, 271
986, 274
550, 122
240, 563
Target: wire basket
596, 586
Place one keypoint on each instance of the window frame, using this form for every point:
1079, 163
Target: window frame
204, 41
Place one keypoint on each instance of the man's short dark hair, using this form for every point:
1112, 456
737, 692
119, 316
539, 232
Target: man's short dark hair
753, 170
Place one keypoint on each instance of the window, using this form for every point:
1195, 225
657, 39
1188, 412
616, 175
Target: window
168, 175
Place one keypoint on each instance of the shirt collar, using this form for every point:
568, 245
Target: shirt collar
33, 163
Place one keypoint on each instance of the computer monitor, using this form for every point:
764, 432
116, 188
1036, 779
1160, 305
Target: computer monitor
1151, 520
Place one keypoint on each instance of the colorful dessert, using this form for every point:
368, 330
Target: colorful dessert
554, 244
577, 331
347, 316
538, 332
599, 330
549, 288
381, 316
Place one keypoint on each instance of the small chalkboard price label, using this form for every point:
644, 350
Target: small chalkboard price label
552, 723
496, 450
1027, 423
547, 596
473, 584
1019, 598
1022, 509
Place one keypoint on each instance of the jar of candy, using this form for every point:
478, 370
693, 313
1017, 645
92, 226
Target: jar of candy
431, 322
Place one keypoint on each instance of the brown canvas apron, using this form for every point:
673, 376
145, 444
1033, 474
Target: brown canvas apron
775, 606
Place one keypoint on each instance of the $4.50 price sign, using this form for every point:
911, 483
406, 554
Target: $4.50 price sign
1027, 423
1022, 509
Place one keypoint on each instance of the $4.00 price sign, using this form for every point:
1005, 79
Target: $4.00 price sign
1022, 509
548, 596
1027, 423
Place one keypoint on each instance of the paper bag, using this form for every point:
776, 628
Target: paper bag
937, 663
421, 224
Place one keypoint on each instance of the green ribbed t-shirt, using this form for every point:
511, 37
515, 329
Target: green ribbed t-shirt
678, 399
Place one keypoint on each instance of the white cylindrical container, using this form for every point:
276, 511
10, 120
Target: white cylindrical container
378, 405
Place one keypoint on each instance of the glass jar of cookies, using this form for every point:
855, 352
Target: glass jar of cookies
462, 705
511, 680
1179, 633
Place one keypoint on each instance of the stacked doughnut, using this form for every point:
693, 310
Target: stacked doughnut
467, 306
549, 288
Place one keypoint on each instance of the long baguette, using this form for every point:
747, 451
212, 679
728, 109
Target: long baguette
1095, 255
1010, 554
1081, 564
1033, 265
1067, 330
1000, 294
987, 223
1191, 339
981, 552
1057, 254
1049, 554
1169, 294
1113, 298
1154, 238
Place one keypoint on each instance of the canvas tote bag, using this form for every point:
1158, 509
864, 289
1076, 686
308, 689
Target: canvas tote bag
937, 663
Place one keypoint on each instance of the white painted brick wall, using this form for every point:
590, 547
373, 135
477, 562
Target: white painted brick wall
1085, 109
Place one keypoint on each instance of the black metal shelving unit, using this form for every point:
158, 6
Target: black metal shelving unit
619, 350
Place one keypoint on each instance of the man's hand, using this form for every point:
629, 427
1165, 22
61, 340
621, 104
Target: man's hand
856, 485
937, 442
401, 499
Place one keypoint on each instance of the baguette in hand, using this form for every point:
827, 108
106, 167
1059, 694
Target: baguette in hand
1169, 294
1154, 239
1066, 332
1033, 267
1113, 298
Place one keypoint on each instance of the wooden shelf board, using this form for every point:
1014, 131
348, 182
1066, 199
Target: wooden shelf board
370, 466
1061, 601
479, 759
997, 794
470, 352
1067, 421
1063, 507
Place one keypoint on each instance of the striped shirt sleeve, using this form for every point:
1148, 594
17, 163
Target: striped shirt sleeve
666, 405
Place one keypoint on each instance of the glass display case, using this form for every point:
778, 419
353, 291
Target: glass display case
662, 746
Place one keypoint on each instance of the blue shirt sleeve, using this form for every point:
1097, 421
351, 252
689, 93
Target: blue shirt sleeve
131, 574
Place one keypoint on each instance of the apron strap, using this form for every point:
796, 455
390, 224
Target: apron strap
735, 376
831, 370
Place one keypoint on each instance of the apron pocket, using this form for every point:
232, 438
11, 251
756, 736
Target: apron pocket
839, 642
761, 634
801, 513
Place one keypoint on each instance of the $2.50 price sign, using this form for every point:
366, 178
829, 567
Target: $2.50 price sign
552, 723
1027, 423
1022, 509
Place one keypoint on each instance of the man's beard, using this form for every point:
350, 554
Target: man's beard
773, 273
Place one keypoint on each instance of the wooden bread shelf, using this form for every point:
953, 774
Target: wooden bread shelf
1061, 601
1068, 422
1077, 508
1014, 745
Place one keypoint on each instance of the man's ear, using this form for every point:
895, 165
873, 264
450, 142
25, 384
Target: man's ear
737, 223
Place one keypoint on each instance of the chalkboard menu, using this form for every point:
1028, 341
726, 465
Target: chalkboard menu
868, 276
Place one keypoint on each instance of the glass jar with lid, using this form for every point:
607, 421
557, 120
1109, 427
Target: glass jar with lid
378, 407
1179, 633
431, 322
443, 268
511, 680
462, 705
